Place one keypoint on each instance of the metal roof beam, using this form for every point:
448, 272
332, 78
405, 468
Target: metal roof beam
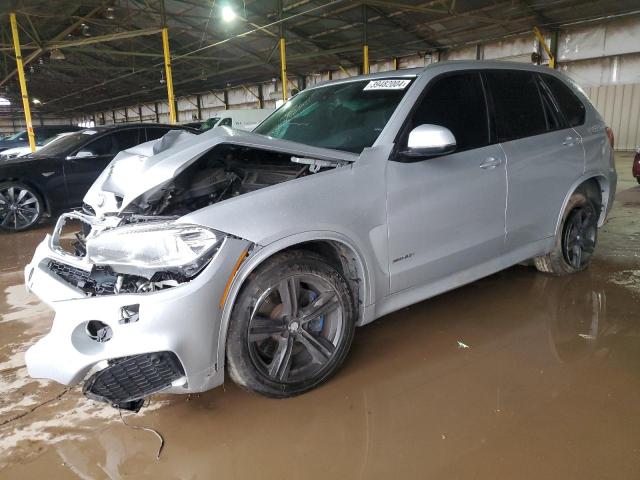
33, 56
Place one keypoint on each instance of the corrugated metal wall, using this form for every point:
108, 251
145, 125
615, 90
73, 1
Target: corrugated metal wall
15, 122
620, 107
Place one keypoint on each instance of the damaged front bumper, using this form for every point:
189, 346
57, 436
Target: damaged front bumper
127, 346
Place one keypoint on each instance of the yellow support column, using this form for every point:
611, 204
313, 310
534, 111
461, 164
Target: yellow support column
283, 68
365, 56
365, 40
543, 42
23, 83
167, 69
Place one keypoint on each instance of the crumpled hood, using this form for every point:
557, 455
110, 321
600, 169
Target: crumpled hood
150, 166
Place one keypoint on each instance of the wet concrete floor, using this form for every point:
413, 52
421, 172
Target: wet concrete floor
548, 388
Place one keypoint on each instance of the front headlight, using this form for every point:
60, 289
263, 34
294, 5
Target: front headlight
155, 247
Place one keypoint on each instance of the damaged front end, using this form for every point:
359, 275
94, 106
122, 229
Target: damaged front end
137, 304
138, 289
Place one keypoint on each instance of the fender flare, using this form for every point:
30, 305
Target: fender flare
603, 180
265, 252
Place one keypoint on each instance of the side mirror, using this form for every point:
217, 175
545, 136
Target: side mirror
82, 154
428, 141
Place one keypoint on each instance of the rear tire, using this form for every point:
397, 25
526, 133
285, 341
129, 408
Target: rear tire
21, 207
291, 326
576, 239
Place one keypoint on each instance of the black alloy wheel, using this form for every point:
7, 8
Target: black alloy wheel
579, 239
291, 326
20, 207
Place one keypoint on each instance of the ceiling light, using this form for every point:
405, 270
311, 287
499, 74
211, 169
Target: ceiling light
36, 101
56, 54
110, 13
228, 14
4, 102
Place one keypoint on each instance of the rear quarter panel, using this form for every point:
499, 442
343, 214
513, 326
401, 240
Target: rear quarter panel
599, 155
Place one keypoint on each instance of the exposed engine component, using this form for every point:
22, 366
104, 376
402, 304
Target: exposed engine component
104, 281
225, 172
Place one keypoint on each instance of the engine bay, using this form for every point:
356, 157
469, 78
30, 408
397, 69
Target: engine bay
225, 172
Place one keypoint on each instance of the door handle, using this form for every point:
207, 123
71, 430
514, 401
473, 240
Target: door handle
570, 141
490, 163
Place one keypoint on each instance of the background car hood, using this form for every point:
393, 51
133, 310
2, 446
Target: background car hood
4, 145
147, 168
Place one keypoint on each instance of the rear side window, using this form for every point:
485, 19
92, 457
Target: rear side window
125, 139
517, 104
552, 113
569, 103
456, 102
155, 133
225, 123
100, 146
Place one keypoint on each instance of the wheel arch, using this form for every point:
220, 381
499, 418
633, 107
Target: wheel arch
337, 248
597, 185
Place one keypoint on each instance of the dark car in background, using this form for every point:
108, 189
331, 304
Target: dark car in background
635, 169
56, 177
42, 134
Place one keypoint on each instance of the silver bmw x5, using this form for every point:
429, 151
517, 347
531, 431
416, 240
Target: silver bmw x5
263, 251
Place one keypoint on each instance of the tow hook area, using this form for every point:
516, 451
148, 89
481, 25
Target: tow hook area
125, 382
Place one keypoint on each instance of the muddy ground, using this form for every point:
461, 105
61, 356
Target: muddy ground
548, 388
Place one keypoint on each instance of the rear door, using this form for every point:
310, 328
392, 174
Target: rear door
544, 154
446, 214
81, 172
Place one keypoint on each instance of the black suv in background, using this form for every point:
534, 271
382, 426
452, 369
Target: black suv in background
56, 177
42, 134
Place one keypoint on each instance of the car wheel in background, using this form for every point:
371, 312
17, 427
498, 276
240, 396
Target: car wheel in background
21, 207
291, 326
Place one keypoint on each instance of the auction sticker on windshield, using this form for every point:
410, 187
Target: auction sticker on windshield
387, 85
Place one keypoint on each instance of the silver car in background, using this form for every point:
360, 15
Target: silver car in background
263, 251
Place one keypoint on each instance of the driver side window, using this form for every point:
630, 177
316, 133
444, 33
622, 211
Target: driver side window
456, 102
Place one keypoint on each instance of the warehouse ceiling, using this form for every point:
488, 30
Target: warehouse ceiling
70, 70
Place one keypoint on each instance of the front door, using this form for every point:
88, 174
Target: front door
446, 215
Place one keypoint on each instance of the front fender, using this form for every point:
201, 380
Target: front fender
365, 271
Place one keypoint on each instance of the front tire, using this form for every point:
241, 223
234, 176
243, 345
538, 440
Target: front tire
21, 207
576, 240
291, 327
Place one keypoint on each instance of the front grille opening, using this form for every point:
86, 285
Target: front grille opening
101, 282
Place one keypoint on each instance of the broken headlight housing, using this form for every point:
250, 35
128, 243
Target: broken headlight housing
151, 247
